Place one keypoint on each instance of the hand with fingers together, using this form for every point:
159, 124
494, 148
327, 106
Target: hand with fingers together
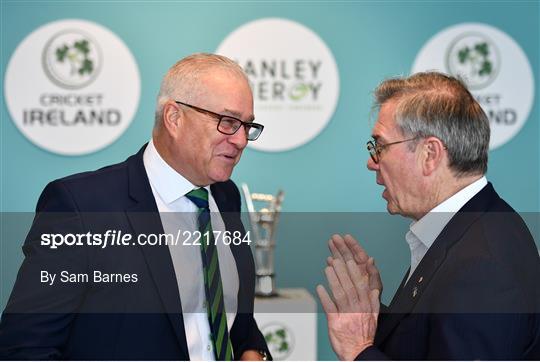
352, 312
347, 248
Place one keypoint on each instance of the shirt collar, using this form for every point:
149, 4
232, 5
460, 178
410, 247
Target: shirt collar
169, 184
428, 228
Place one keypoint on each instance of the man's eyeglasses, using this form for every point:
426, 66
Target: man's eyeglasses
375, 149
229, 125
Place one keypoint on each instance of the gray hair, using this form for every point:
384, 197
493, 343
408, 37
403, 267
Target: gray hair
439, 105
181, 81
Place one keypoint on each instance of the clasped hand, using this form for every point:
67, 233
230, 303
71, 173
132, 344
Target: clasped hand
356, 287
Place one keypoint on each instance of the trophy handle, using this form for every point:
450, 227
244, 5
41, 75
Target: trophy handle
251, 211
276, 210
247, 196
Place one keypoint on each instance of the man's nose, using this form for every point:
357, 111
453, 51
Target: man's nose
239, 138
371, 165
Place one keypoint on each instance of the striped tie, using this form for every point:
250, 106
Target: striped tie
217, 317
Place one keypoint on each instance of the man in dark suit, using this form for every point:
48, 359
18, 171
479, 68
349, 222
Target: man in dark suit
472, 291
77, 297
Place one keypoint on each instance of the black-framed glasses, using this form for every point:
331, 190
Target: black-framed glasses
375, 148
229, 125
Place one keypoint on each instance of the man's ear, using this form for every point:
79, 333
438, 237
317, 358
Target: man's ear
171, 118
433, 155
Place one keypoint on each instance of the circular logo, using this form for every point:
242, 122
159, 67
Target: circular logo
72, 87
293, 76
72, 59
492, 65
474, 58
280, 340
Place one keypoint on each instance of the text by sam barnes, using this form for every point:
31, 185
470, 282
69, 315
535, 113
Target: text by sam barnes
96, 277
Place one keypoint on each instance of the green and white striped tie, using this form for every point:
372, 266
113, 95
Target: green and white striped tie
217, 317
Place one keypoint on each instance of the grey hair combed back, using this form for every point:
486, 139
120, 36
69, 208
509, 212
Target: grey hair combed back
181, 80
439, 105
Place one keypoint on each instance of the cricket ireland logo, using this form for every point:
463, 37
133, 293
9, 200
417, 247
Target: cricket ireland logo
474, 58
72, 59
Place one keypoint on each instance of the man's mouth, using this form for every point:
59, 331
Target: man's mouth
228, 156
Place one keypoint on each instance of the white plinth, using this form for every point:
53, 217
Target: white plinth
289, 324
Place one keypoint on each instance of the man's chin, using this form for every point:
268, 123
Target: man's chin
221, 176
391, 209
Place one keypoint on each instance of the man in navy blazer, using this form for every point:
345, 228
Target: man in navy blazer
472, 291
141, 300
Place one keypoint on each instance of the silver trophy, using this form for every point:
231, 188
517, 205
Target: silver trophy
263, 225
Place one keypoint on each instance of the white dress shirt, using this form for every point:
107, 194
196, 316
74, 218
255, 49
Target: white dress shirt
422, 233
177, 212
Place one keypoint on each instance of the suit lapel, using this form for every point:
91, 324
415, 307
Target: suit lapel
229, 213
399, 289
144, 219
407, 297
229, 210
409, 294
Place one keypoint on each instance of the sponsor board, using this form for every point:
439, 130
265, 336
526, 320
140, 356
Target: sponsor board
294, 79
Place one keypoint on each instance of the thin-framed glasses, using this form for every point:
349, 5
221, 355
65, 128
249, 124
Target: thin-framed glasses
375, 148
229, 125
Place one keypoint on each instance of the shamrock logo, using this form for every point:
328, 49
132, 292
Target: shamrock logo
279, 339
474, 58
72, 59
77, 56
